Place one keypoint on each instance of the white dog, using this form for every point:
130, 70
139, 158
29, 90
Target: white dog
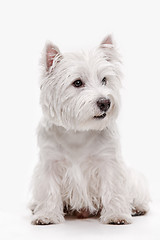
80, 168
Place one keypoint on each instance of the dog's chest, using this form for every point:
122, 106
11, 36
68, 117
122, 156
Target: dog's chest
81, 176
78, 146
78, 159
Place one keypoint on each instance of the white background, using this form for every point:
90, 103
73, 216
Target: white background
76, 25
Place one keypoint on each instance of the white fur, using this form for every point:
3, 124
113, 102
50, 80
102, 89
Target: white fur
80, 164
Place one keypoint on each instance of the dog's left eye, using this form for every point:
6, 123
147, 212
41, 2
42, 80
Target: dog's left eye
104, 81
78, 83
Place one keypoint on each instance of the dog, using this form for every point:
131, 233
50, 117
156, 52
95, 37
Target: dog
80, 169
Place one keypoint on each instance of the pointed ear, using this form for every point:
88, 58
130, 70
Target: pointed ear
109, 49
51, 51
108, 40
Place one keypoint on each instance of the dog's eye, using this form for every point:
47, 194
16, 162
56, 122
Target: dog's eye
78, 83
104, 81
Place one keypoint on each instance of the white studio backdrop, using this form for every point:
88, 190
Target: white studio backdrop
76, 25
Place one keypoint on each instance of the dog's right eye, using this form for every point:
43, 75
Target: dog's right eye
78, 83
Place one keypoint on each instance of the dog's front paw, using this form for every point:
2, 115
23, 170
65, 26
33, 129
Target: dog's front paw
120, 220
138, 212
47, 219
42, 221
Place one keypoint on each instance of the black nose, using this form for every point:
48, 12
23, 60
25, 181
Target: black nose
103, 104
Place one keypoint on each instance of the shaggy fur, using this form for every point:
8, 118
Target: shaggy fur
80, 168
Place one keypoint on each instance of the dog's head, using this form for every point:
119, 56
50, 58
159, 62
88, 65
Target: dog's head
81, 91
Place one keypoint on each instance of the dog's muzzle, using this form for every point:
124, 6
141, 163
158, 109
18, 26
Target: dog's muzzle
103, 104
100, 116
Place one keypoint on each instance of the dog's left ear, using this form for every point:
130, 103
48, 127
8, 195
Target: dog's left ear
109, 49
108, 40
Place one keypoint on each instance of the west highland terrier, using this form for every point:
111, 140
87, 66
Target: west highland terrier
80, 170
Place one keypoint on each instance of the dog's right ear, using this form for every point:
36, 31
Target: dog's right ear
51, 55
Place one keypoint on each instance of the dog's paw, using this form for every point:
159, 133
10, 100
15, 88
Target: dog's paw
42, 221
118, 222
121, 220
47, 220
137, 212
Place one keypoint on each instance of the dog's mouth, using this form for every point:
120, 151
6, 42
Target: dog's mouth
100, 116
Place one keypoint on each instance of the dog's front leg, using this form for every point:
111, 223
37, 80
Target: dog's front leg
47, 202
114, 196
